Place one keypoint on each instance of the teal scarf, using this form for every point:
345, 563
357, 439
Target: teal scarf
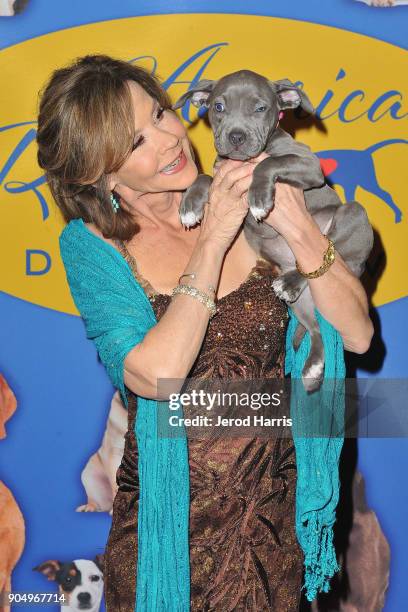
117, 315
318, 434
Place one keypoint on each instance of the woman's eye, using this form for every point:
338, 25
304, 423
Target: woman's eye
138, 142
260, 109
219, 107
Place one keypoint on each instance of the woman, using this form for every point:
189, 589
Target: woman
117, 160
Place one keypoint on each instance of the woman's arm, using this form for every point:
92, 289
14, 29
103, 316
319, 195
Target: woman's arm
177, 338
338, 294
170, 348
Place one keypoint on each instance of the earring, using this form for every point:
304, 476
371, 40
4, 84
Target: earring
115, 203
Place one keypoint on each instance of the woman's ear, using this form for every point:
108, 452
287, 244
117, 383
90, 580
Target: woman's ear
111, 182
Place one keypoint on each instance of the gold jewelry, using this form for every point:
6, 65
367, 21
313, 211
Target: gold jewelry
328, 259
194, 276
202, 297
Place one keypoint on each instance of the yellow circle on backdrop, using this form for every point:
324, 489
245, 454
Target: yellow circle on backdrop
181, 48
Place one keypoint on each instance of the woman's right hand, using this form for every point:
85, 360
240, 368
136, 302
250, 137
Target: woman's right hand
228, 204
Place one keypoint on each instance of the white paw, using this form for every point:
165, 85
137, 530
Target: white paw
284, 292
257, 213
277, 285
189, 219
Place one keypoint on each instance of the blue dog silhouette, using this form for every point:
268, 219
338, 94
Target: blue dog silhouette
351, 169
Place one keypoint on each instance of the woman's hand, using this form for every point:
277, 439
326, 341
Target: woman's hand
337, 294
289, 217
228, 204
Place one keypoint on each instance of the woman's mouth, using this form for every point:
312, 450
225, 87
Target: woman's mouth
176, 166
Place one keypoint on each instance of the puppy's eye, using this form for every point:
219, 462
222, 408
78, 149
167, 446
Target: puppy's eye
219, 107
260, 109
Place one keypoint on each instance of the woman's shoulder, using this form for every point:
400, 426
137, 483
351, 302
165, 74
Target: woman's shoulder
79, 242
84, 250
77, 233
71, 231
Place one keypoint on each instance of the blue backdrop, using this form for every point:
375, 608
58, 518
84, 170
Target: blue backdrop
48, 364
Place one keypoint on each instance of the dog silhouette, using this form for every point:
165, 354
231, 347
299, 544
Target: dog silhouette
351, 168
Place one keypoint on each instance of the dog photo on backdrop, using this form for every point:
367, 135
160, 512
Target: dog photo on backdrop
384, 3
9, 8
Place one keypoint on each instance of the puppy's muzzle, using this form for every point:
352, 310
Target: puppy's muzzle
237, 138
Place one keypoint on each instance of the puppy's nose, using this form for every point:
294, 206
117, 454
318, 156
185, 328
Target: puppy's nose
237, 137
84, 597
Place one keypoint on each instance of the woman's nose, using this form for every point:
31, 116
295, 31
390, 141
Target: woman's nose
168, 140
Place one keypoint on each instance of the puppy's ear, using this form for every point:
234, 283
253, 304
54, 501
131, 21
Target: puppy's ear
99, 560
198, 94
49, 568
291, 96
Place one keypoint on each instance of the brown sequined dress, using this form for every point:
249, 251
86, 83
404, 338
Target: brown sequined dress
244, 555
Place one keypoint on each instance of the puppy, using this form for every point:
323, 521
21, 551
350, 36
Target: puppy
244, 109
80, 582
99, 474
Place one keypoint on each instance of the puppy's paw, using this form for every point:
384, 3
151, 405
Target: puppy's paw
289, 286
312, 375
191, 211
190, 218
261, 197
192, 205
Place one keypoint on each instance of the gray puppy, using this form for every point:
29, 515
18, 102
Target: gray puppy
243, 111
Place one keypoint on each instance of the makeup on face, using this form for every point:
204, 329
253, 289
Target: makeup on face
160, 160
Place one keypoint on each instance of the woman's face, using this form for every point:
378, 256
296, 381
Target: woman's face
161, 159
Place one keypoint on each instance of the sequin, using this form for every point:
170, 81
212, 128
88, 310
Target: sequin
244, 554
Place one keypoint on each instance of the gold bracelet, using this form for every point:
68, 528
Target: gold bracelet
199, 295
194, 276
328, 259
